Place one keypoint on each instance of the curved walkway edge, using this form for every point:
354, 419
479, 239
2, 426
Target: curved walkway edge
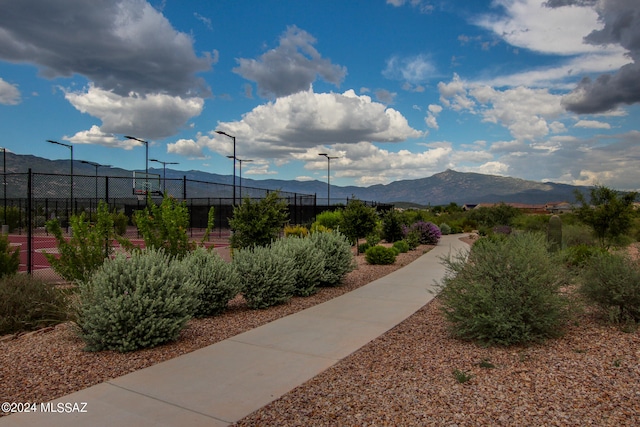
224, 382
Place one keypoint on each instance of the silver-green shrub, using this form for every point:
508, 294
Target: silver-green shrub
218, 280
135, 303
268, 277
612, 283
338, 257
507, 291
309, 262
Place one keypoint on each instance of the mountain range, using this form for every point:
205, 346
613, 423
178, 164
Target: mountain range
440, 189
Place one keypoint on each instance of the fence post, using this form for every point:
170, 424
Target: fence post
29, 224
184, 187
106, 189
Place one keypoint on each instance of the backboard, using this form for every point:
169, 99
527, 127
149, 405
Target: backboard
146, 183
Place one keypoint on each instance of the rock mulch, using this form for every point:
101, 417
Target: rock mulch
48, 364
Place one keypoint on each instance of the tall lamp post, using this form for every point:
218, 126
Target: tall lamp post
4, 183
234, 162
70, 147
146, 159
164, 172
95, 165
328, 175
240, 161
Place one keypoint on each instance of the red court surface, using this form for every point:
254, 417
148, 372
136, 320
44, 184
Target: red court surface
42, 243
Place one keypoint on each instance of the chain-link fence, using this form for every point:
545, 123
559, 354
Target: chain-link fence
30, 199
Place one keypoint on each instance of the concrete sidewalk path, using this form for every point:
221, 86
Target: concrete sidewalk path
224, 382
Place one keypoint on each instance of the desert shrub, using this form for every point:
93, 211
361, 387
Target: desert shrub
308, 261
445, 229
337, 254
135, 303
578, 256
27, 304
13, 217
428, 233
358, 220
9, 258
531, 222
120, 223
412, 237
84, 252
379, 255
574, 235
507, 292
217, 280
328, 219
362, 247
165, 226
295, 230
258, 223
402, 246
268, 277
612, 282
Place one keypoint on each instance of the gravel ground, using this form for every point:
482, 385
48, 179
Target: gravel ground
591, 376
50, 363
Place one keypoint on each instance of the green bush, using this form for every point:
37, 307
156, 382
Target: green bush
80, 255
165, 226
445, 229
217, 280
308, 261
258, 223
120, 223
574, 235
135, 303
269, 278
379, 255
328, 219
14, 217
28, 304
337, 254
507, 292
362, 247
579, 256
9, 258
612, 282
402, 246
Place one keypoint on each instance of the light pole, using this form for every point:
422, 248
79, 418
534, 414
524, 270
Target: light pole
4, 183
95, 165
328, 175
146, 160
240, 161
70, 147
234, 162
164, 172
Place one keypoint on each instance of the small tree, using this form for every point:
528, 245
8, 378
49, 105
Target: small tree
258, 223
358, 220
165, 226
608, 213
85, 251
391, 226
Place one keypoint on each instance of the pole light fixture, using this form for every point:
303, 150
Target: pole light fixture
240, 161
70, 147
95, 165
4, 182
164, 172
234, 161
328, 175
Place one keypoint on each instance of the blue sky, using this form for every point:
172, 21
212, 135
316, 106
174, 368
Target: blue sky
395, 89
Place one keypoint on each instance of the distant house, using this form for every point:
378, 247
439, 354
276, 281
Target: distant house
521, 206
559, 207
